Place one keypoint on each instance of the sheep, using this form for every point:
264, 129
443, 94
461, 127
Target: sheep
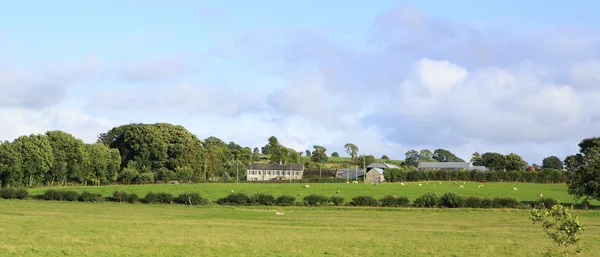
440, 182
540, 195
299, 194
279, 213
420, 184
232, 191
306, 186
402, 184
355, 182
479, 186
461, 186
347, 182
337, 192
514, 189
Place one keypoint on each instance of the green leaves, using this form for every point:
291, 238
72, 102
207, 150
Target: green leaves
560, 226
583, 170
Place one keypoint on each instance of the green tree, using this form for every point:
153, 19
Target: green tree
351, 150
216, 156
385, 157
365, 160
583, 170
552, 162
514, 162
477, 160
411, 158
37, 157
319, 154
69, 155
561, 226
308, 153
265, 149
335, 154
426, 156
443, 155
11, 163
102, 164
293, 156
493, 161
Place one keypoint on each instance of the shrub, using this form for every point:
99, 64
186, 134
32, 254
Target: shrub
486, 203
264, 199
150, 198
451, 200
132, 198
314, 200
191, 199
69, 195
365, 201
235, 199
119, 196
90, 197
394, 201
428, 199
285, 200
505, 202
60, 195
337, 200
164, 197
546, 202
473, 202
14, 193
146, 177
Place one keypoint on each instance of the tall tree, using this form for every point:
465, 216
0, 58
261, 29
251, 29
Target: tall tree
443, 155
102, 164
411, 158
216, 156
37, 157
476, 159
11, 163
514, 162
319, 154
308, 153
552, 162
69, 155
265, 149
335, 154
493, 161
351, 150
365, 160
385, 157
426, 156
583, 170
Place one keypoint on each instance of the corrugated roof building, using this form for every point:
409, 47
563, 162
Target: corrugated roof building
450, 166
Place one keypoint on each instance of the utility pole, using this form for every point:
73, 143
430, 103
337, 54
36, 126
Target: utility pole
365, 168
237, 172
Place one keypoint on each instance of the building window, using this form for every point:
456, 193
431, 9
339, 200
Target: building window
268, 173
296, 173
287, 173
251, 172
258, 172
277, 173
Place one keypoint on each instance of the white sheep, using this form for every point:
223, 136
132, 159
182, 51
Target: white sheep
540, 195
420, 184
280, 213
461, 186
347, 182
440, 182
306, 186
402, 184
337, 192
514, 189
479, 186
232, 191
355, 182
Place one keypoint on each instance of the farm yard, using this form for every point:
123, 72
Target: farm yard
47, 228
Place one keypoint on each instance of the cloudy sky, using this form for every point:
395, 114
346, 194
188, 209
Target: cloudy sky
504, 76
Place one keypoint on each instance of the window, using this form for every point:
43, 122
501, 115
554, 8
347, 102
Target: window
251, 172
258, 172
296, 173
277, 173
268, 173
287, 173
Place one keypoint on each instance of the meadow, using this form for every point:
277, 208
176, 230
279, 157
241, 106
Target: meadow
47, 228
213, 191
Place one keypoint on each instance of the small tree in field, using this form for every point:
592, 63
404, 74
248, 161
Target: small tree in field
560, 225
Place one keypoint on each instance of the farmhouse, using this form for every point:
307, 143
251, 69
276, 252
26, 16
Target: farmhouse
449, 166
274, 171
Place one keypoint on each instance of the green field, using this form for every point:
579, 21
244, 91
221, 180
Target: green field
44, 228
213, 191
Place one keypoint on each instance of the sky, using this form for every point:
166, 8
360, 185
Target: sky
488, 76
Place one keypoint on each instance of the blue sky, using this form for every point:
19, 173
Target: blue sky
504, 76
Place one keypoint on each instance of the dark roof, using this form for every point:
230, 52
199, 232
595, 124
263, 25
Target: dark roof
274, 166
450, 165
317, 172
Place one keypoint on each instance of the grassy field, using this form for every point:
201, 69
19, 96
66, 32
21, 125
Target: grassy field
41, 228
525, 192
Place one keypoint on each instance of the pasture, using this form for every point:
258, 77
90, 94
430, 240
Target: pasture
46, 228
213, 191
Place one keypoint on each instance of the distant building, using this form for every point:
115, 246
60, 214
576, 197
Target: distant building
274, 171
382, 165
350, 174
449, 166
374, 175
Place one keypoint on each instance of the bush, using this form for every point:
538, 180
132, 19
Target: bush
14, 193
315, 200
451, 200
546, 202
285, 200
394, 201
150, 198
365, 201
505, 202
69, 195
428, 199
487, 203
191, 199
132, 198
473, 202
60, 195
146, 178
164, 197
90, 197
337, 200
119, 196
235, 199
264, 199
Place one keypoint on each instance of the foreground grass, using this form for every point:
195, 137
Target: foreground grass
213, 191
41, 228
